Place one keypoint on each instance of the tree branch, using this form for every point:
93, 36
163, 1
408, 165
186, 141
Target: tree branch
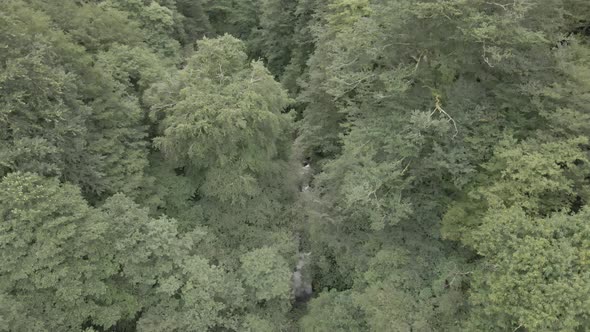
438, 108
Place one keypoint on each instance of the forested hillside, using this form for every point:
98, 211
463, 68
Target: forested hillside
294, 165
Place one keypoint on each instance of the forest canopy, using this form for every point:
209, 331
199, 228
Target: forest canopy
294, 165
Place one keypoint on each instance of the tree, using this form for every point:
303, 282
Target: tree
278, 24
61, 115
266, 277
227, 115
195, 20
256, 266
67, 264
223, 125
404, 121
444, 183
529, 232
334, 311
96, 26
237, 18
225, 141
159, 23
54, 266
535, 274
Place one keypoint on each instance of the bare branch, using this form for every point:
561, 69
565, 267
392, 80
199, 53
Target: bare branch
406, 168
485, 57
355, 84
459, 274
498, 4
438, 108
347, 64
253, 80
221, 74
417, 61
161, 107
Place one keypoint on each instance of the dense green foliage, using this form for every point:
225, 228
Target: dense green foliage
200, 165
